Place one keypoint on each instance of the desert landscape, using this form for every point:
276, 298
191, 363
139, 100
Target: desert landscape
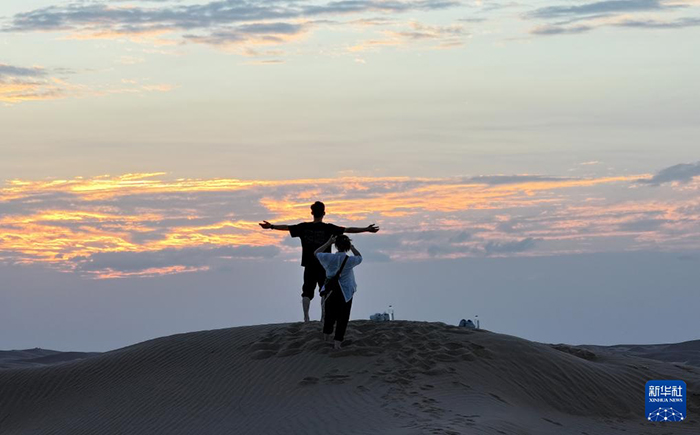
188, 186
401, 377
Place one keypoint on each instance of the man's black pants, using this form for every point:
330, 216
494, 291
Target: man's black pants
337, 314
313, 276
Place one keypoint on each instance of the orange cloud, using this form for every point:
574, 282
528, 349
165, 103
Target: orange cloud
146, 273
69, 223
18, 90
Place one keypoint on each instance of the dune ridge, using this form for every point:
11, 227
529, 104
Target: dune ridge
687, 352
38, 357
398, 377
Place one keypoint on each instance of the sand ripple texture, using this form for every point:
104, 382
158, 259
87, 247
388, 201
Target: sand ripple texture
393, 378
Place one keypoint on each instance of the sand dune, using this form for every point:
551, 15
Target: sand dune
392, 378
38, 357
685, 353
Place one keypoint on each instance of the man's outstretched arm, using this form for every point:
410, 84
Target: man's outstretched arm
268, 226
353, 230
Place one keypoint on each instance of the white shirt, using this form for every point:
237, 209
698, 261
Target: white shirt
332, 263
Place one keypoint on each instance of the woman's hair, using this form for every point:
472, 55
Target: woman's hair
343, 243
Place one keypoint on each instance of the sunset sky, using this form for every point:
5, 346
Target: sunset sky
536, 163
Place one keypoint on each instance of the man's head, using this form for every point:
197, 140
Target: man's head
318, 209
343, 243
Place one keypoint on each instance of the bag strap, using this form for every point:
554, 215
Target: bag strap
337, 275
342, 266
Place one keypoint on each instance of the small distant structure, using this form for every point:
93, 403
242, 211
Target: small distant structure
386, 316
467, 324
380, 317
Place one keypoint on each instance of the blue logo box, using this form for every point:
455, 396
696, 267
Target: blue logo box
666, 401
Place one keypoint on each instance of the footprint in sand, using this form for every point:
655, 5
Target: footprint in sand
480, 351
460, 331
264, 346
288, 352
497, 397
466, 419
467, 357
263, 354
362, 351
556, 423
335, 379
434, 372
296, 344
267, 339
293, 348
310, 380
443, 357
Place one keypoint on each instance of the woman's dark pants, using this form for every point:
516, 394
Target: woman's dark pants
337, 313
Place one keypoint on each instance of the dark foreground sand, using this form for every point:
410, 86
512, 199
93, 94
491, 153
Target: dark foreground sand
392, 378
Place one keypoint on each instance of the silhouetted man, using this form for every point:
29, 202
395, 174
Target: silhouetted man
313, 235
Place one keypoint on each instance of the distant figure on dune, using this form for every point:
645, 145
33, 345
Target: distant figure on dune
340, 285
312, 235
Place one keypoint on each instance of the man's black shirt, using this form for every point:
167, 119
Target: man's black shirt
312, 236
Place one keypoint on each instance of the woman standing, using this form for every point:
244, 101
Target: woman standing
340, 285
